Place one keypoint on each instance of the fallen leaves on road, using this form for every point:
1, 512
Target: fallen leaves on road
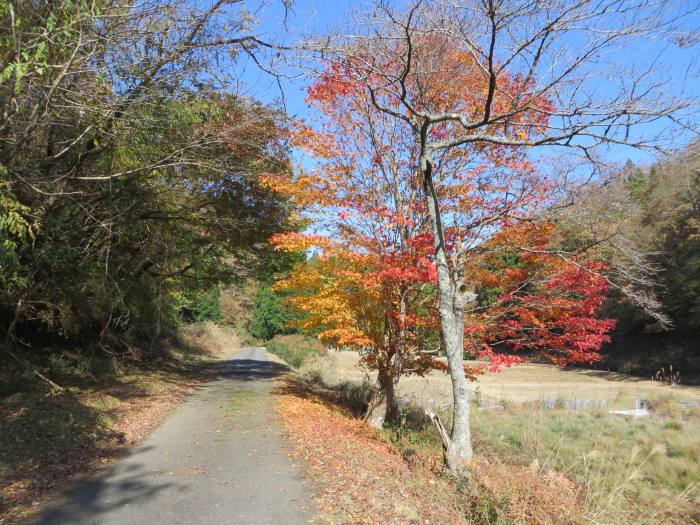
47, 439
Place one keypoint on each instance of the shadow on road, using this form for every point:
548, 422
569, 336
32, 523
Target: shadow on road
87, 499
245, 370
131, 483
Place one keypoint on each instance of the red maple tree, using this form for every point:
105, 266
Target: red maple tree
364, 200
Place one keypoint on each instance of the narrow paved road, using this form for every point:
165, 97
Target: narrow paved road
218, 459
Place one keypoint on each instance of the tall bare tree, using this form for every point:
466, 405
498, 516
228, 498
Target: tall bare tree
551, 74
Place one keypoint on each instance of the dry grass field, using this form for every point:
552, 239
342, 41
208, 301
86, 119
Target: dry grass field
622, 470
521, 383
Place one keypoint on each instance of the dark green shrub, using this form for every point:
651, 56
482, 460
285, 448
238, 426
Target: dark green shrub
205, 306
270, 318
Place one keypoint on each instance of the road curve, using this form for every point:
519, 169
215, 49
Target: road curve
219, 458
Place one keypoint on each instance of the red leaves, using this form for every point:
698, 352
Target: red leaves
547, 303
406, 268
365, 194
498, 361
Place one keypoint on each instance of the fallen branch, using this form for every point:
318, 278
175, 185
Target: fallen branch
444, 435
54, 386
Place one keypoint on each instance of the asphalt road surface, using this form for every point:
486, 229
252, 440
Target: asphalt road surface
219, 458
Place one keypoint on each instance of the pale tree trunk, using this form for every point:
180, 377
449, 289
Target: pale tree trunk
453, 296
382, 406
458, 449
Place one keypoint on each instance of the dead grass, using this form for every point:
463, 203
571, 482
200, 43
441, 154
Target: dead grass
295, 349
617, 470
300, 340
237, 304
522, 495
621, 470
48, 438
629, 471
369, 477
522, 383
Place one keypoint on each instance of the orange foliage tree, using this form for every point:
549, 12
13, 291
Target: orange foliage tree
372, 287
484, 82
369, 285
377, 190
475, 192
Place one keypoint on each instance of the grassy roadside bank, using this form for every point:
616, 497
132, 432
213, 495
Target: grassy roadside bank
533, 465
47, 438
366, 476
621, 470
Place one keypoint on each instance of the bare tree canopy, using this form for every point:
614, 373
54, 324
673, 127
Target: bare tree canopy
572, 60
521, 78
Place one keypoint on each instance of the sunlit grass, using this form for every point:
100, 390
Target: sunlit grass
642, 471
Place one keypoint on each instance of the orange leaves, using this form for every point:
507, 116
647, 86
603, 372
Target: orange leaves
363, 287
471, 372
307, 190
318, 143
337, 302
360, 477
295, 241
373, 283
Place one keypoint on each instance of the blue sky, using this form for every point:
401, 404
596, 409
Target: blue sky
306, 17
313, 16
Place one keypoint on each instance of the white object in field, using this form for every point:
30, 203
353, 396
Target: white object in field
634, 412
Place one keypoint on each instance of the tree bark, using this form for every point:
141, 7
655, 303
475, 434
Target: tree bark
382, 406
453, 296
458, 450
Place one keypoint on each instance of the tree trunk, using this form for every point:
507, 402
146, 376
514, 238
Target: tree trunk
458, 449
453, 296
382, 406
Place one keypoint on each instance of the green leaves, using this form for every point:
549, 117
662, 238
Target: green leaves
13, 219
129, 176
205, 306
270, 317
